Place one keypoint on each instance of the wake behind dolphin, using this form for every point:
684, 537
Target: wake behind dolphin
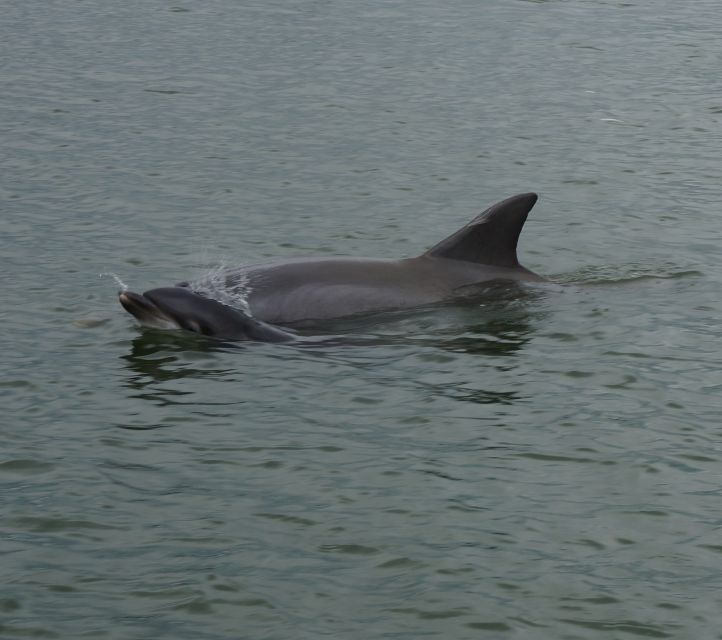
312, 290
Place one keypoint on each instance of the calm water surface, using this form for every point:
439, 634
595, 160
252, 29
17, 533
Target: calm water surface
546, 464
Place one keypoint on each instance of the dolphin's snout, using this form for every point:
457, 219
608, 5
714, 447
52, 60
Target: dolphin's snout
126, 297
142, 308
133, 302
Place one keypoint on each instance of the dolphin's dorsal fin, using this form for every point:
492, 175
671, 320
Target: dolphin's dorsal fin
491, 237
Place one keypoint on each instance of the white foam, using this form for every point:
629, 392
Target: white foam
229, 288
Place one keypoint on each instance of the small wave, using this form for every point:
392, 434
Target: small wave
625, 274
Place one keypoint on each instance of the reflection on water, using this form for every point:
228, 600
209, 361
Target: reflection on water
499, 323
155, 357
496, 336
169, 368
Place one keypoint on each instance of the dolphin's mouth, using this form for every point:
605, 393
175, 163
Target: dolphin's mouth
145, 311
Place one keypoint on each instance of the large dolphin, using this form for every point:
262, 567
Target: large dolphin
308, 290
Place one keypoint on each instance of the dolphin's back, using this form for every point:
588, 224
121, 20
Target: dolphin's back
311, 289
324, 288
308, 289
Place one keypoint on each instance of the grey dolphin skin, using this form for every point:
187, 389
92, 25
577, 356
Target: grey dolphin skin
307, 290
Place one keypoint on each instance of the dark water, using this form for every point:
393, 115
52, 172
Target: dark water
544, 465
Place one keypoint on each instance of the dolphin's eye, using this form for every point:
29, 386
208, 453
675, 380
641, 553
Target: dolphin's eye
192, 325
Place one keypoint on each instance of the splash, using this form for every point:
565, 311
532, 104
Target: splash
118, 281
226, 286
626, 274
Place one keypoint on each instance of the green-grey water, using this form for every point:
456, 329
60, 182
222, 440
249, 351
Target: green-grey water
545, 464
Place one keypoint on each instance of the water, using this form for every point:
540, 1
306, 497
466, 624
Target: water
546, 465
214, 284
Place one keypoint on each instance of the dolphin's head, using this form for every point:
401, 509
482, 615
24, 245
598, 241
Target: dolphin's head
180, 308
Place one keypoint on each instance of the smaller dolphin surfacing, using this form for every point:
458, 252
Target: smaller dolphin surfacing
307, 290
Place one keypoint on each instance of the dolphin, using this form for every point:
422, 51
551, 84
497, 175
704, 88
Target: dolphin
180, 308
304, 291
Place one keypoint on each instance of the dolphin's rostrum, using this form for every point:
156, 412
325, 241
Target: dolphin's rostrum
305, 290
